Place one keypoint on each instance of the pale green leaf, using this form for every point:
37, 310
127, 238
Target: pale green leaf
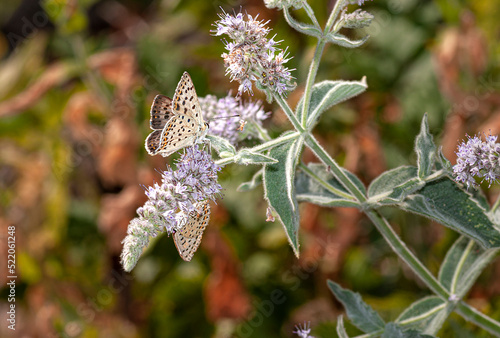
394, 331
343, 41
221, 146
340, 327
443, 201
463, 263
246, 157
394, 185
420, 314
425, 149
360, 313
279, 188
317, 185
301, 27
328, 93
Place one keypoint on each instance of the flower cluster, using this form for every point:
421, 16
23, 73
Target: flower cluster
356, 19
170, 203
478, 158
220, 113
251, 56
304, 331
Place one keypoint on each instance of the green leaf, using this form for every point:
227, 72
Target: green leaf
394, 185
301, 26
425, 149
246, 157
222, 146
317, 185
340, 327
253, 183
443, 201
360, 313
279, 188
442, 162
343, 41
394, 331
420, 314
328, 93
463, 263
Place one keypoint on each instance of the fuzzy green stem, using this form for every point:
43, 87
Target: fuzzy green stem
289, 113
478, 318
262, 147
311, 15
313, 69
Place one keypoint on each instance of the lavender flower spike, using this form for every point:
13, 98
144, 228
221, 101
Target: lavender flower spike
478, 158
170, 203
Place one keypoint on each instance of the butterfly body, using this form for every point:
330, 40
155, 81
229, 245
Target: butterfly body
176, 123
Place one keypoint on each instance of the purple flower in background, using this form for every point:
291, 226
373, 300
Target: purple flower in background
251, 56
216, 110
170, 203
478, 158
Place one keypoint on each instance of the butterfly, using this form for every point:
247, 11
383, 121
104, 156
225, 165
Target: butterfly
176, 123
188, 238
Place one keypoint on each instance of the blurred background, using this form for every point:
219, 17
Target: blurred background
77, 79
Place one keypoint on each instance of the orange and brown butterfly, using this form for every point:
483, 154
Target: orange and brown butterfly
176, 123
188, 238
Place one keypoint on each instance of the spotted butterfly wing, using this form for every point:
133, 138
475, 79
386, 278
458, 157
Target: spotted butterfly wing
161, 112
188, 239
185, 126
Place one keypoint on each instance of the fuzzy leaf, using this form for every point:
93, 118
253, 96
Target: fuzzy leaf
253, 183
442, 162
394, 185
222, 146
328, 93
309, 189
279, 188
360, 313
443, 201
246, 157
343, 41
425, 149
340, 327
463, 263
301, 27
394, 331
420, 314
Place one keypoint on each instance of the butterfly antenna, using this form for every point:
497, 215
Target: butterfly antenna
223, 117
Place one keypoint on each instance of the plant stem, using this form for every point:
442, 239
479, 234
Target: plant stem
289, 113
334, 168
311, 15
264, 146
313, 69
478, 318
495, 206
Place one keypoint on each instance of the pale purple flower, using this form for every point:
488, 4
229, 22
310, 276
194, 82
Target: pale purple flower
220, 113
303, 331
251, 56
478, 158
170, 203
